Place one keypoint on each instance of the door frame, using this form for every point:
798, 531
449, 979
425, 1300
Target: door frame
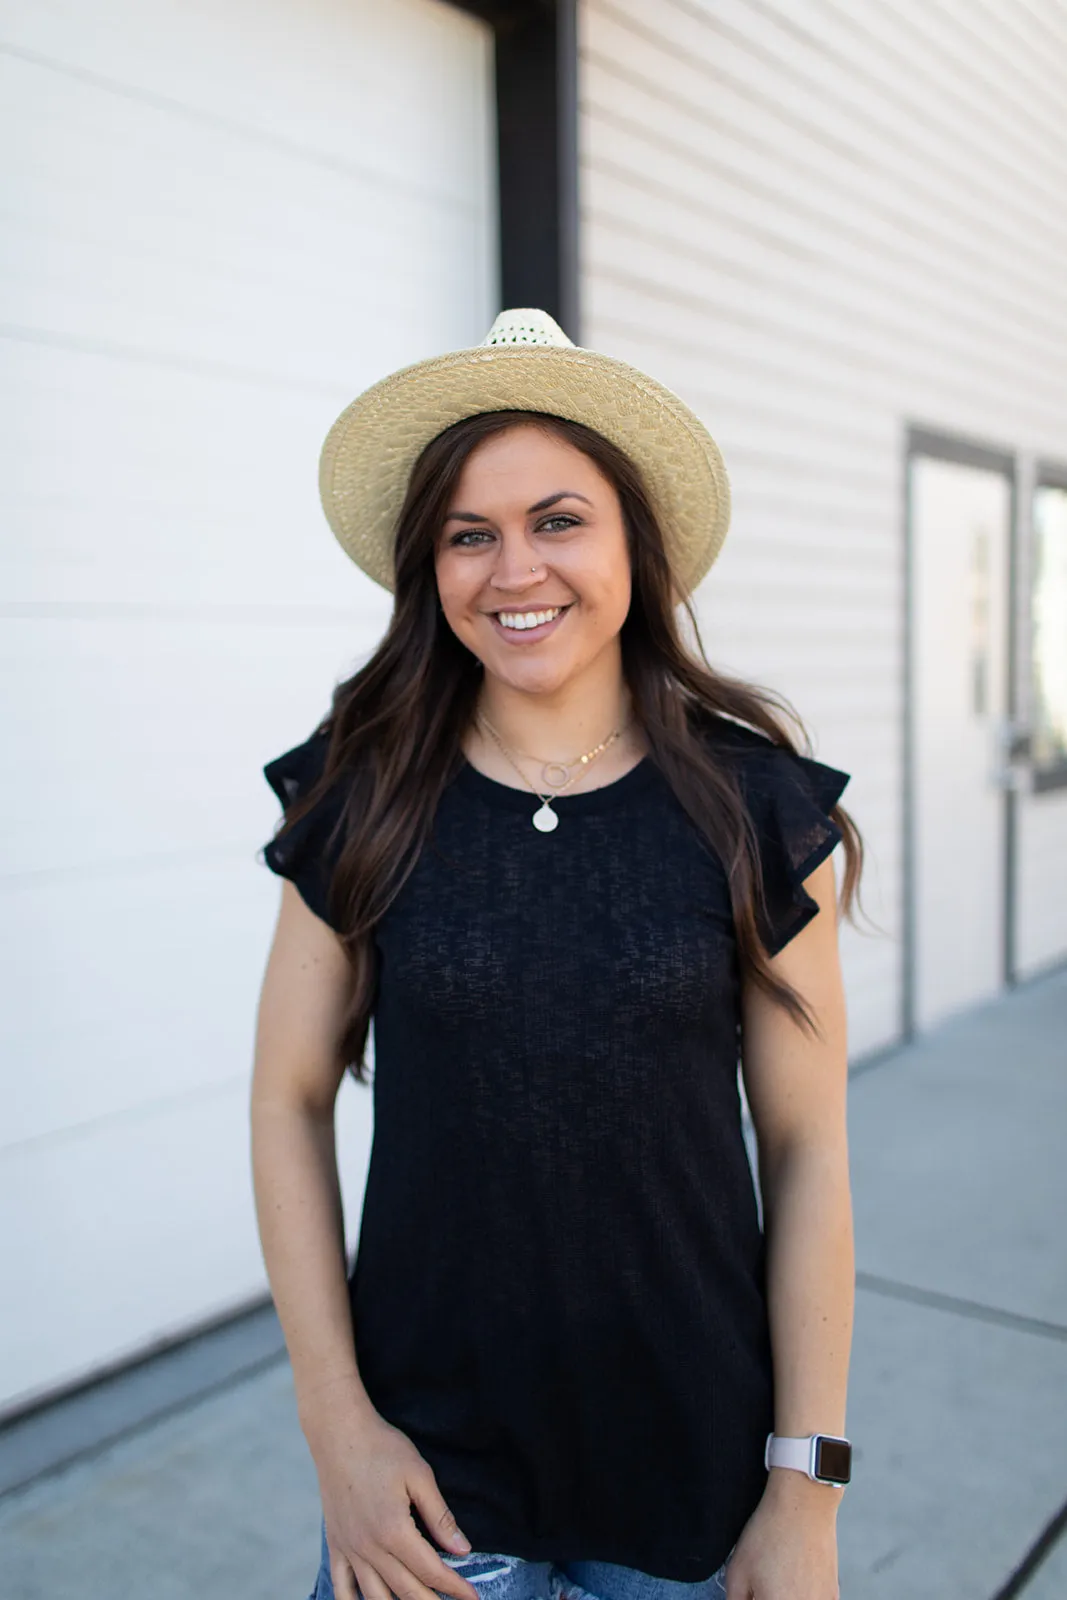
1046, 475
925, 441
536, 70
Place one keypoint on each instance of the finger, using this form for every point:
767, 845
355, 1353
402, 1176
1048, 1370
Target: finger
422, 1557
735, 1587
438, 1573
372, 1585
431, 1567
435, 1511
343, 1579
417, 1574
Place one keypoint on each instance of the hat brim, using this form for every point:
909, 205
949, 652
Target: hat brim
369, 452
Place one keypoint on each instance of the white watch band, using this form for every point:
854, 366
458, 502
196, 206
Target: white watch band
794, 1453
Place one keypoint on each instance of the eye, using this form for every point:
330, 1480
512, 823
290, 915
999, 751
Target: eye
559, 522
469, 537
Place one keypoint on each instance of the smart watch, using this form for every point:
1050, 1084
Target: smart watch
824, 1457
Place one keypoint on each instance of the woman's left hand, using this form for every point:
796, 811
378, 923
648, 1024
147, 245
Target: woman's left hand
788, 1549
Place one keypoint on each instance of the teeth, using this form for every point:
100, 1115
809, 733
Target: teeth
527, 619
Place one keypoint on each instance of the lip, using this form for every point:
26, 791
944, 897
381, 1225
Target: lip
519, 636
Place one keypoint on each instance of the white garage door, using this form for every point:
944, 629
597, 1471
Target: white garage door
223, 218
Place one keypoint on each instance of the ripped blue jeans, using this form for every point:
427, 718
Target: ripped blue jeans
504, 1577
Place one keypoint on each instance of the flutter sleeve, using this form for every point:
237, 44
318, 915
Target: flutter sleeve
307, 854
789, 797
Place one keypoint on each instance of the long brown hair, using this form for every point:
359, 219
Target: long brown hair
395, 727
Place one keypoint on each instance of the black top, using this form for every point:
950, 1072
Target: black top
558, 1292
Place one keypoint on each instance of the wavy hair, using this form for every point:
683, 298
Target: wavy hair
395, 727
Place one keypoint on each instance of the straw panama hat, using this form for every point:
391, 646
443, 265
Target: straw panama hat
526, 363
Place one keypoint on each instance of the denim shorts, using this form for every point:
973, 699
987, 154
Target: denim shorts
504, 1577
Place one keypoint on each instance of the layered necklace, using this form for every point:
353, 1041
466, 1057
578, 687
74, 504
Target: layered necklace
558, 776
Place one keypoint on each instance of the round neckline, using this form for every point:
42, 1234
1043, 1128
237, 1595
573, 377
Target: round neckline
508, 798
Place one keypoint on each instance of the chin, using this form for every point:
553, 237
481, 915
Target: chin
530, 677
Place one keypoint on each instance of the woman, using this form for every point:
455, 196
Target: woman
572, 874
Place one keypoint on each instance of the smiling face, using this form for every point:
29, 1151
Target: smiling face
526, 499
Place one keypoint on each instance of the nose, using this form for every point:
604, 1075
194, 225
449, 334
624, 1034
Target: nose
517, 568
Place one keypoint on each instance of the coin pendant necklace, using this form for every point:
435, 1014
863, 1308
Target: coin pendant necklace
545, 820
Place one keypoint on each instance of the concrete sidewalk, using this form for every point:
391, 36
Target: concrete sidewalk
958, 1392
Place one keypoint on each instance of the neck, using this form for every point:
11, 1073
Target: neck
563, 724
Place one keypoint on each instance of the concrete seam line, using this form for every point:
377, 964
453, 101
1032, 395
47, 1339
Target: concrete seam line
222, 1323
894, 1290
104, 1442
1041, 1547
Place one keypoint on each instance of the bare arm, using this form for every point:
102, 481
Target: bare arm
369, 1472
297, 1074
796, 1088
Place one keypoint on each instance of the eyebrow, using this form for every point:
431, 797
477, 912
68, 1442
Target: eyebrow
542, 505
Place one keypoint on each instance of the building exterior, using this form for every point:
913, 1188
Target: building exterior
836, 230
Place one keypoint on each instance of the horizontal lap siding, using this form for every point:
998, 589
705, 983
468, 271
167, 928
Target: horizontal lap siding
818, 222
222, 223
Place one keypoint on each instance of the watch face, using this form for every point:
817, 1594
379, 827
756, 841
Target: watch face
833, 1460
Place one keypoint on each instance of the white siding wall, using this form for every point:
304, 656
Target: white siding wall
817, 221
222, 221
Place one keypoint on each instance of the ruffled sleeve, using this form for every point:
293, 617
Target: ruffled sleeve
307, 854
789, 797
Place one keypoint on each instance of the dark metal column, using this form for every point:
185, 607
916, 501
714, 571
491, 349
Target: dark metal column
537, 153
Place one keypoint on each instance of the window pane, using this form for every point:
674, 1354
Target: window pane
1050, 626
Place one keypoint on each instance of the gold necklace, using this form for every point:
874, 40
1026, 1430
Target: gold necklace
550, 769
545, 820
